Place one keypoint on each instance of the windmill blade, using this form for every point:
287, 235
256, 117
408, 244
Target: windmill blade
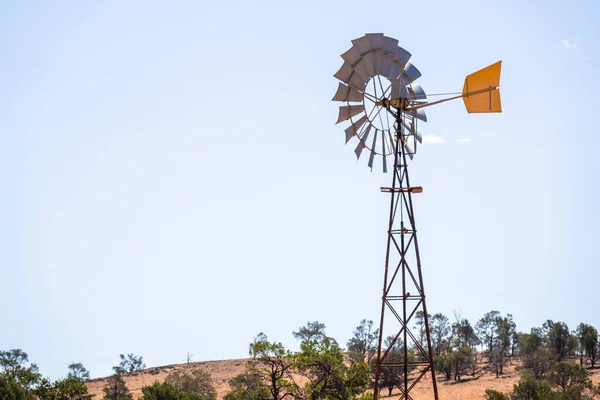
375, 40
402, 56
366, 65
411, 72
386, 65
372, 155
409, 151
416, 92
419, 114
361, 142
352, 130
351, 56
362, 44
399, 90
349, 111
346, 93
344, 73
389, 44
395, 71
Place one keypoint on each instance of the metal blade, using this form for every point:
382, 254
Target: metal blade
352, 130
395, 71
346, 93
379, 61
411, 72
362, 44
389, 44
375, 40
349, 111
351, 56
361, 142
366, 66
416, 92
402, 56
419, 137
358, 81
399, 90
372, 155
344, 73
409, 151
386, 66
420, 114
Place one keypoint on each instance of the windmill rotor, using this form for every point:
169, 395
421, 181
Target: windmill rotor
376, 71
377, 83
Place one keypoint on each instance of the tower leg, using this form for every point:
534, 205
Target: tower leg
402, 358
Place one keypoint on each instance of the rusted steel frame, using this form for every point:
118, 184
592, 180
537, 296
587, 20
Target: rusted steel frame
385, 276
418, 378
400, 331
425, 315
394, 381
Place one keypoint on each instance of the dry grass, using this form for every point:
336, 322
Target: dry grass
222, 371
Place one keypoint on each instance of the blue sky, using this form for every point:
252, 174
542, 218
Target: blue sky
174, 182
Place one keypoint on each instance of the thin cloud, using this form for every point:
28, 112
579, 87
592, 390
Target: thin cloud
430, 138
464, 140
566, 44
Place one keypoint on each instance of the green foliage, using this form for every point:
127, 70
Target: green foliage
486, 329
440, 329
198, 382
115, 388
78, 372
321, 362
558, 339
530, 388
130, 363
570, 378
312, 331
534, 355
17, 380
247, 386
491, 394
588, 342
166, 391
363, 345
71, 388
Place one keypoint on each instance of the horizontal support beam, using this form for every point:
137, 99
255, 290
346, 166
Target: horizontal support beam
414, 189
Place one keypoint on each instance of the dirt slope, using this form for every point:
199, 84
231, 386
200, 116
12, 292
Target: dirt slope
222, 371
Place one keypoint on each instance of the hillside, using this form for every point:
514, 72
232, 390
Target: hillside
222, 371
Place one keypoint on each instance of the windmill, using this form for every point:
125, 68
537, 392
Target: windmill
384, 106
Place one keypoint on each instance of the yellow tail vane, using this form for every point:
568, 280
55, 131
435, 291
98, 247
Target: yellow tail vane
481, 91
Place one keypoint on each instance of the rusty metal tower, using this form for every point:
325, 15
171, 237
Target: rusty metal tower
384, 106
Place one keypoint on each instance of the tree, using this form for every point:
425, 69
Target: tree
534, 355
247, 386
271, 361
78, 372
197, 381
70, 388
558, 339
160, 391
362, 346
313, 330
166, 391
486, 329
440, 329
115, 388
321, 362
570, 378
588, 343
130, 363
17, 379
530, 388
420, 321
